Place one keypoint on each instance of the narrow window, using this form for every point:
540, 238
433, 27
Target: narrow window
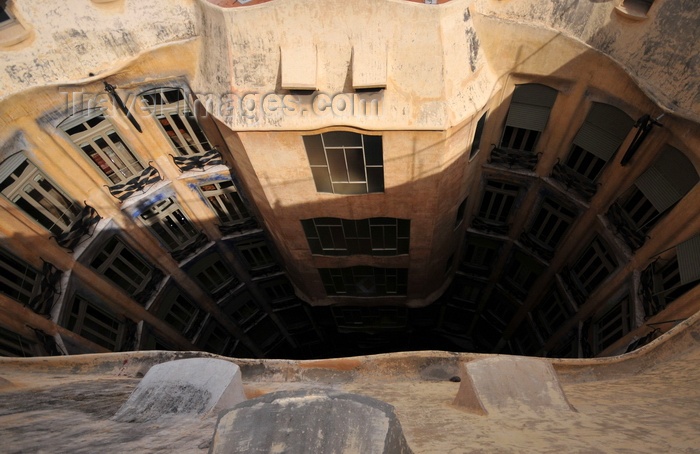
593, 266
95, 324
224, 199
373, 236
26, 186
476, 142
121, 265
497, 202
176, 120
100, 142
527, 116
18, 280
550, 224
460, 212
364, 281
346, 162
612, 325
167, 221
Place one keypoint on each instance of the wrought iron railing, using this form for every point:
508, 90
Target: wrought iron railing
519, 159
624, 227
83, 226
49, 289
151, 287
240, 227
490, 226
198, 161
190, 248
574, 181
147, 177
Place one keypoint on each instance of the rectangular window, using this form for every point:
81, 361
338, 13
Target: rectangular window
527, 116
18, 280
256, 254
12, 344
373, 236
551, 223
216, 340
521, 272
98, 139
476, 142
181, 314
167, 221
277, 290
497, 202
351, 317
346, 162
177, 121
552, 312
95, 324
612, 325
213, 275
479, 255
364, 281
594, 265
25, 186
224, 199
122, 266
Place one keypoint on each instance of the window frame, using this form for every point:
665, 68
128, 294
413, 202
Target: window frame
22, 293
323, 168
348, 281
370, 236
108, 262
225, 200
75, 320
170, 218
120, 167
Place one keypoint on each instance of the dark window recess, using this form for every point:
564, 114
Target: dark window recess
593, 266
460, 212
496, 206
373, 236
548, 228
364, 281
479, 255
521, 272
18, 280
346, 162
476, 142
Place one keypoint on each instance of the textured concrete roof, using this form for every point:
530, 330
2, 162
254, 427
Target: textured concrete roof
647, 401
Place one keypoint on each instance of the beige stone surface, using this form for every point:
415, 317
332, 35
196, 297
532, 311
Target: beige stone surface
646, 401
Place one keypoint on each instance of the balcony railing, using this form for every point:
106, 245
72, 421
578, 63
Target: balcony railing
190, 248
518, 159
574, 181
240, 227
198, 161
625, 227
146, 178
83, 226
49, 288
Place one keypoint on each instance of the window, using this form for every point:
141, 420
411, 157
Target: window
179, 312
497, 202
670, 177
224, 199
479, 255
12, 344
213, 275
25, 186
364, 281
4, 15
373, 236
97, 138
122, 266
521, 272
612, 325
551, 223
18, 280
527, 116
346, 162
476, 142
169, 224
277, 290
594, 265
598, 139
460, 212
552, 312
499, 311
177, 121
256, 254
215, 338
95, 324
